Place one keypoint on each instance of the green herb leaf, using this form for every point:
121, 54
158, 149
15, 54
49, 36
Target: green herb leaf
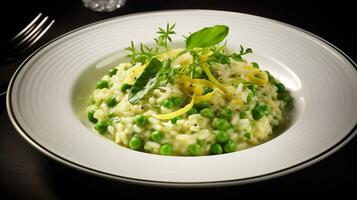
141, 55
207, 37
238, 57
255, 65
164, 36
245, 51
166, 72
146, 81
219, 58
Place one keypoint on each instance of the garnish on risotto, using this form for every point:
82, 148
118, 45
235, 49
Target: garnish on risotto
199, 100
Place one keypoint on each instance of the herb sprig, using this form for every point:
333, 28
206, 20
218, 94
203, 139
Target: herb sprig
145, 53
164, 37
201, 45
238, 57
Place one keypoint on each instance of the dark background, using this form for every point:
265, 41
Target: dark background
26, 173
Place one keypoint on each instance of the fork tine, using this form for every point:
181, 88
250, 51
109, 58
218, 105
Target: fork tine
27, 28
23, 41
36, 37
30, 35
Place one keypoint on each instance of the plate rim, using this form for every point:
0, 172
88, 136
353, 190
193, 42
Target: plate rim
99, 173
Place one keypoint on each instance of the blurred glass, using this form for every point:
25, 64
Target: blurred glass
103, 5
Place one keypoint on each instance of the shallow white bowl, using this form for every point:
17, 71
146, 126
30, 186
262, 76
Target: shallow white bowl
48, 92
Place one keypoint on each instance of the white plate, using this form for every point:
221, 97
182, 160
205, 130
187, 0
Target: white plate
46, 90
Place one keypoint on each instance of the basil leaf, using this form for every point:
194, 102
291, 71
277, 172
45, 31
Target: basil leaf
207, 37
146, 81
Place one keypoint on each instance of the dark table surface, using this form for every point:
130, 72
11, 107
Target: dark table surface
27, 173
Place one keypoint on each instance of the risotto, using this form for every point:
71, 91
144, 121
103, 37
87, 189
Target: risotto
199, 100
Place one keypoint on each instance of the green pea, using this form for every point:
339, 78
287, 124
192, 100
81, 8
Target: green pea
194, 149
174, 120
91, 116
243, 115
252, 87
222, 136
141, 120
157, 136
230, 146
257, 113
235, 128
192, 111
207, 90
216, 149
111, 101
280, 87
255, 65
247, 135
125, 87
250, 97
201, 142
226, 113
111, 114
207, 112
220, 124
112, 72
284, 97
166, 149
168, 104
177, 101
102, 84
265, 108
201, 105
101, 126
136, 143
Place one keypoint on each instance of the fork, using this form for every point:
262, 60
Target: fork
22, 42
